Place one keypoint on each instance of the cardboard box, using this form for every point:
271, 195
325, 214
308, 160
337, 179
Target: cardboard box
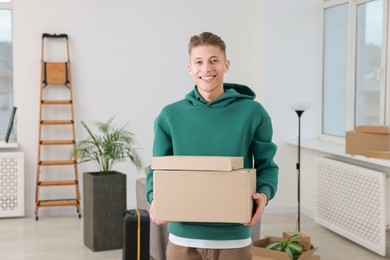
379, 129
204, 196
198, 163
261, 253
359, 142
305, 239
378, 154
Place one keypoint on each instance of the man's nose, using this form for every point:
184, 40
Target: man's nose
206, 67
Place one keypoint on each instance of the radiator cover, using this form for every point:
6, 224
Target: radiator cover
351, 202
11, 184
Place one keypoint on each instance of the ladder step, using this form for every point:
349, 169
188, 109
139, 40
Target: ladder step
56, 102
57, 122
56, 203
57, 162
58, 183
57, 142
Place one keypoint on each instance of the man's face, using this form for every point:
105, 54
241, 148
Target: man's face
207, 68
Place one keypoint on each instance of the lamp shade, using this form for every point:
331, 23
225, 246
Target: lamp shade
299, 104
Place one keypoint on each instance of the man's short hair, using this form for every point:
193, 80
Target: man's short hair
206, 38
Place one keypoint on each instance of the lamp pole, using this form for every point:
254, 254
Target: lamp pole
298, 166
299, 106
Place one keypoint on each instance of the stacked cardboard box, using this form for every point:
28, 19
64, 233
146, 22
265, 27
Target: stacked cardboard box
203, 189
260, 252
371, 141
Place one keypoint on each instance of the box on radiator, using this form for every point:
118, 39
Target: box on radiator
362, 142
204, 196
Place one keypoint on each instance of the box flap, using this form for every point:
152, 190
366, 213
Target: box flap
197, 163
307, 254
261, 253
378, 129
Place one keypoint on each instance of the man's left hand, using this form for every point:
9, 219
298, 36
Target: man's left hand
260, 202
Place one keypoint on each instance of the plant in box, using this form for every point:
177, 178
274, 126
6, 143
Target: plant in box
290, 246
104, 191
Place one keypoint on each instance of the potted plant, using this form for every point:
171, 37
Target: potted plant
291, 246
104, 191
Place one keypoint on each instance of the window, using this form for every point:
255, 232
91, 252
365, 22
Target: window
354, 65
335, 70
6, 78
369, 25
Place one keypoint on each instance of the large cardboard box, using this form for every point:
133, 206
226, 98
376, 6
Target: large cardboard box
198, 163
261, 253
204, 196
360, 142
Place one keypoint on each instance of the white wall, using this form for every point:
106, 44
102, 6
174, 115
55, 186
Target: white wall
293, 71
129, 59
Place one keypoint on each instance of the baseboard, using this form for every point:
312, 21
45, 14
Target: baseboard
285, 210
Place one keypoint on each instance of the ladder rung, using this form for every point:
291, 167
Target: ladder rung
57, 122
57, 162
57, 142
57, 183
54, 203
56, 102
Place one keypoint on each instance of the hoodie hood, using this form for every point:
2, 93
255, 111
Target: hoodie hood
232, 93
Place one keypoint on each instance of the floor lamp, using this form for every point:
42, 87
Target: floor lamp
299, 106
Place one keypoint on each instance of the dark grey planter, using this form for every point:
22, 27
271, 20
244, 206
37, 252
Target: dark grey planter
104, 203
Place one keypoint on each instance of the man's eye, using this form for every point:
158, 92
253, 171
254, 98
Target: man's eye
198, 62
214, 61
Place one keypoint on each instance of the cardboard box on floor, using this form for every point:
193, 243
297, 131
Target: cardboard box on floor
203, 195
197, 163
261, 253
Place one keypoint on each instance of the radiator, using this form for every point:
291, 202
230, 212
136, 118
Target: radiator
351, 202
11, 184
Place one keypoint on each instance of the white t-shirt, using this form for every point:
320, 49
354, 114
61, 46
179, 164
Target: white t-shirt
211, 244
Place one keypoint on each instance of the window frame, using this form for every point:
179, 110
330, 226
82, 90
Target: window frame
10, 6
351, 66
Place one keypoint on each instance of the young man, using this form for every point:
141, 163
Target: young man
216, 119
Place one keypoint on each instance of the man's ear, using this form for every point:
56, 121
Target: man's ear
189, 68
227, 65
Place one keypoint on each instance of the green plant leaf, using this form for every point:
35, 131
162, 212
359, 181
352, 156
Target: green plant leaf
296, 246
107, 146
273, 245
293, 237
289, 252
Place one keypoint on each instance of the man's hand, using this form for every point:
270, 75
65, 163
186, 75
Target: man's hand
260, 202
158, 222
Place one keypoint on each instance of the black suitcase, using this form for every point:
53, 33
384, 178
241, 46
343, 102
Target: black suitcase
136, 234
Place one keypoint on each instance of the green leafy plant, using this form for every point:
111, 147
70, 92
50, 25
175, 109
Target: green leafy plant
108, 146
290, 245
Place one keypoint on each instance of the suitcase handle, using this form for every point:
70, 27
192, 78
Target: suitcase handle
47, 35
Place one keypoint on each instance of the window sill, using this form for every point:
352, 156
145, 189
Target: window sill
337, 150
4, 145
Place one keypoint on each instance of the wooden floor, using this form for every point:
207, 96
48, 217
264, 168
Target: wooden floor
60, 238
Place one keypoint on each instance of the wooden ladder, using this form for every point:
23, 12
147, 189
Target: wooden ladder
56, 74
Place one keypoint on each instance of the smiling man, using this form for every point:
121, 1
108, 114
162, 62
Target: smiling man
216, 119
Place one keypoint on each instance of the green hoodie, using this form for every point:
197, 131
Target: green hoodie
231, 125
